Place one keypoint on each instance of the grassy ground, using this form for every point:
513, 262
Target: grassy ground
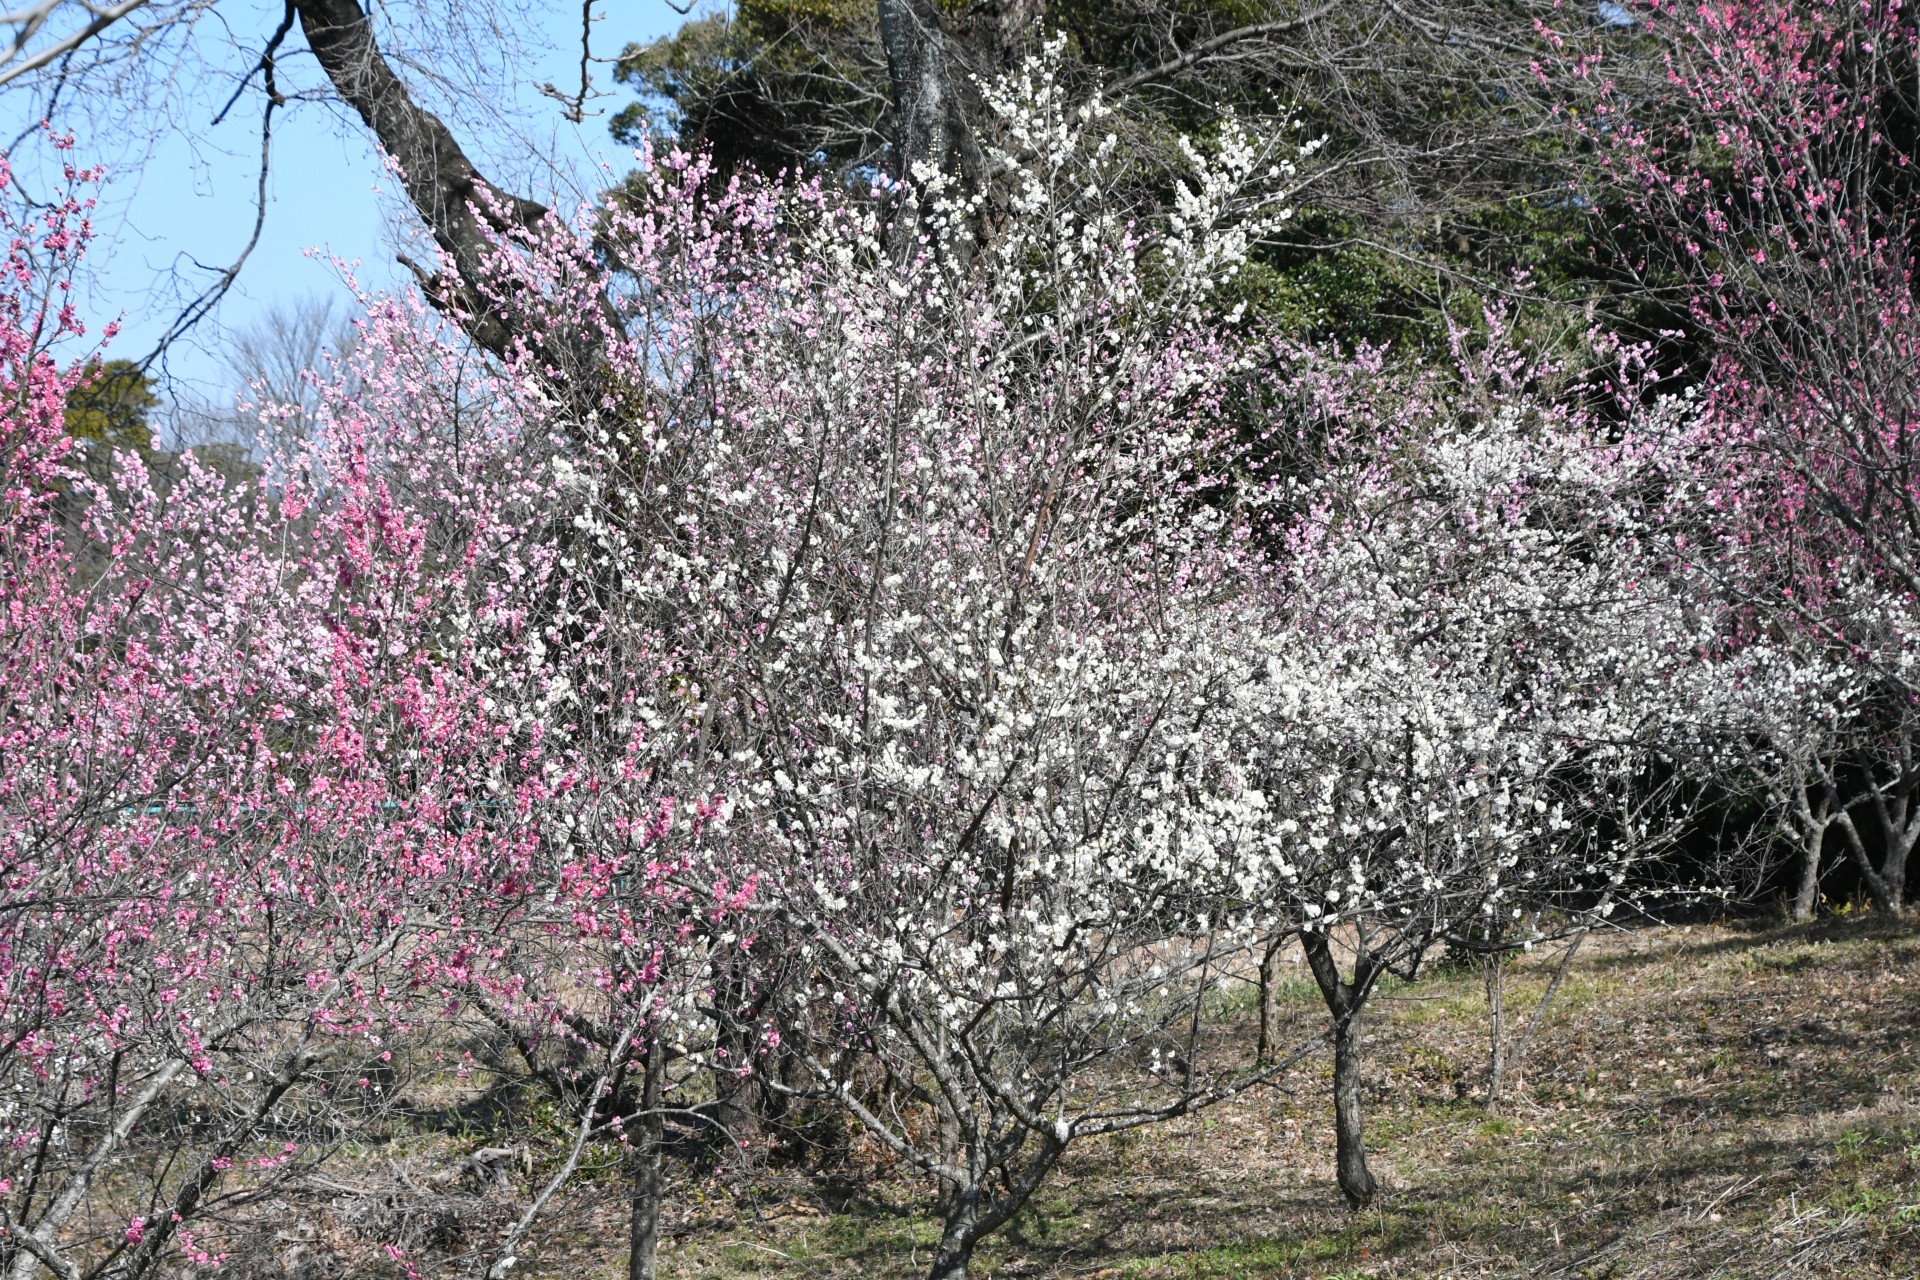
1709, 1102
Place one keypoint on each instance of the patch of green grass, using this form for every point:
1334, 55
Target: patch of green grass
1782, 960
1292, 990
1861, 1199
884, 1244
1852, 1143
1251, 1259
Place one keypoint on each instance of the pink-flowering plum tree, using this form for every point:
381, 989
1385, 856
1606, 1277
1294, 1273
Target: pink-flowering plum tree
577, 934
297, 780
189, 950
1777, 174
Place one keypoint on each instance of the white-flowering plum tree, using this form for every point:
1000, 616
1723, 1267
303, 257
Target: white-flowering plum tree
1475, 669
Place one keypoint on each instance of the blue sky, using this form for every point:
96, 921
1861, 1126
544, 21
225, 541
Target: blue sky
185, 194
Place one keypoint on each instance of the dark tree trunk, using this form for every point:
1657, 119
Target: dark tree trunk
972, 1210
648, 1180
1350, 1154
1263, 1049
1344, 1002
934, 62
439, 179
1900, 825
929, 119
959, 1235
739, 1100
460, 207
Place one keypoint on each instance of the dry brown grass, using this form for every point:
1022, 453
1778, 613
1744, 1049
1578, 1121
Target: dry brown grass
1704, 1102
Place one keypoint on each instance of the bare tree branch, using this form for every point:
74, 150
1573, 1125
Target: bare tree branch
574, 107
265, 65
28, 22
1206, 49
441, 182
210, 297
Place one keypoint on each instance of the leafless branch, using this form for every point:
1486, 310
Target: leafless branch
15, 61
585, 1130
573, 107
264, 65
1206, 49
210, 297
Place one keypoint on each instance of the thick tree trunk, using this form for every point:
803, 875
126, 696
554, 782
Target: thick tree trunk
1350, 1154
1344, 1002
439, 179
463, 210
960, 1233
1807, 896
649, 1182
738, 1099
937, 56
643, 1236
929, 122
1902, 826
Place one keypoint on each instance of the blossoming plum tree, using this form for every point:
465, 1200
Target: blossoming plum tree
888, 648
293, 781
1781, 180
1473, 670
1024, 705
923, 576
187, 954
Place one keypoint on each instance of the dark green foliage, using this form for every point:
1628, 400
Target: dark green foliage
109, 408
1446, 174
782, 83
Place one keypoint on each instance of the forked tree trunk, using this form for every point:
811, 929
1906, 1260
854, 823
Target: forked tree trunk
1344, 1002
1886, 883
1902, 828
971, 1211
1813, 813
